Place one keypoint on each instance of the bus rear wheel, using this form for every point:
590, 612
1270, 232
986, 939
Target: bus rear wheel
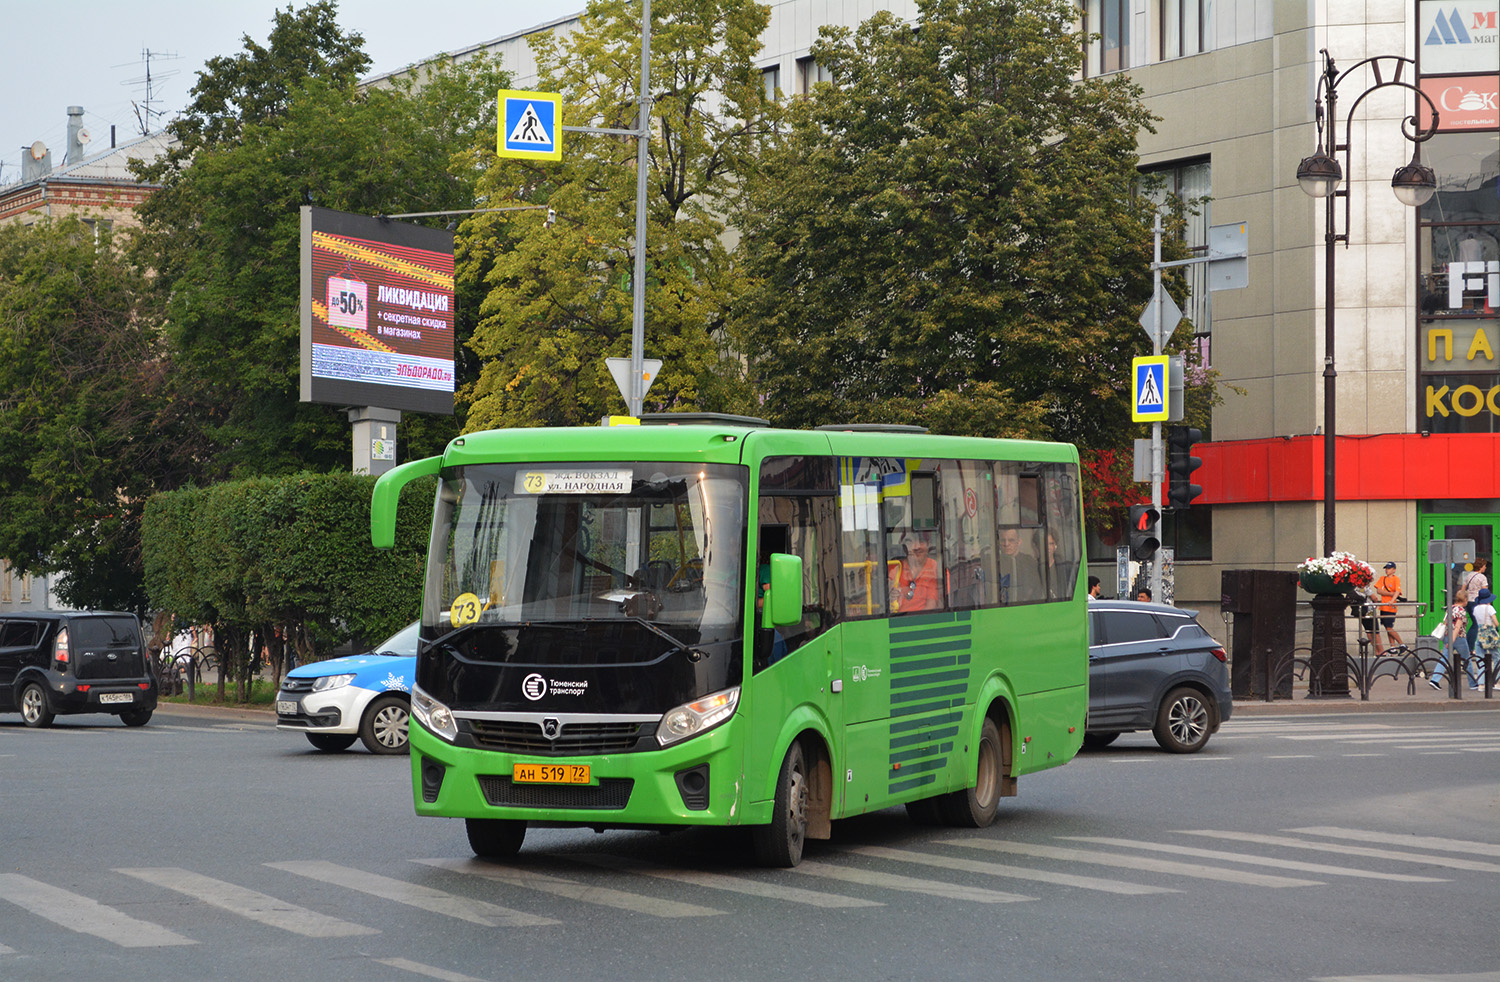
495, 838
780, 843
975, 807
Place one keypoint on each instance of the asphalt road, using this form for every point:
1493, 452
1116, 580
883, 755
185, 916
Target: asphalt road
210, 846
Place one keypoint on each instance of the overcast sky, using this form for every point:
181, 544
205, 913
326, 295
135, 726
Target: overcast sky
89, 53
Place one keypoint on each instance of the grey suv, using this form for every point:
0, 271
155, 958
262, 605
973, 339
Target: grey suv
1154, 667
80, 661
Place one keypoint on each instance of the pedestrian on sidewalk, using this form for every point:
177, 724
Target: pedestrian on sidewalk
1487, 651
1388, 589
1455, 645
1475, 580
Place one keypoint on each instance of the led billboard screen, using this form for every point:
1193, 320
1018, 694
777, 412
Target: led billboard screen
377, 313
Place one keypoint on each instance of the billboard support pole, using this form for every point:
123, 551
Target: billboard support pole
374, 439
642, 157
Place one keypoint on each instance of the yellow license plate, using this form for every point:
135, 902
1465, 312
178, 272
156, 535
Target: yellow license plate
550, 773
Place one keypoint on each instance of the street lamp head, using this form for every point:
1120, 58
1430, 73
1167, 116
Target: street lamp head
1415, 183
1319, 174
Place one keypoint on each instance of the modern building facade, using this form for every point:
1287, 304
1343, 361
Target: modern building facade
1235, 84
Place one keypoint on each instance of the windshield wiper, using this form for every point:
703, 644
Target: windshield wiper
676, 644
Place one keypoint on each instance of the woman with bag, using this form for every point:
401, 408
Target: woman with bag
1487, 651
1473, 581
1455, 647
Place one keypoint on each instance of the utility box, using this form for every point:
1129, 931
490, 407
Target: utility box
1263, 603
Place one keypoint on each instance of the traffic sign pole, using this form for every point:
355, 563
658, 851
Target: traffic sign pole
1157, 469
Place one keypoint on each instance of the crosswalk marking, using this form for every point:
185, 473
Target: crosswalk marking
1401, 839
571, 889
85, 916
4, 950
1002, 869
414, 895
910, 884
249, 903
442, 975
1346, 850
1133, 862
1240, 857
733, 884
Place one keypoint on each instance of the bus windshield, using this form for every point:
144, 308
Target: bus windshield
561, 543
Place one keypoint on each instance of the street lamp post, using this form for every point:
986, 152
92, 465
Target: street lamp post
1320, 176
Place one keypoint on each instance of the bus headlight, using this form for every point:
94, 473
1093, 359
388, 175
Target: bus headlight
693, 718
434, 715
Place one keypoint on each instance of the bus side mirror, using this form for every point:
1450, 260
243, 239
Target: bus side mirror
784, 600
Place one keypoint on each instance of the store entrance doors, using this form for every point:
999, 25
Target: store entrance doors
1484, 529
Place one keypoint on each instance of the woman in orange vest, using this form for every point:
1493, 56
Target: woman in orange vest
916, 586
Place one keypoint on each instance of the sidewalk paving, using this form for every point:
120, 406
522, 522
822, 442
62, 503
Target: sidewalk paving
1387, 695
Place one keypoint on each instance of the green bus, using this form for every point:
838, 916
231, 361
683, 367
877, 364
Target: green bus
703, 620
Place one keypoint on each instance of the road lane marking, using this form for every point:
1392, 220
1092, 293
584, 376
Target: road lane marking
571, 889
414, 895
909, 884
1400, 839
1195, 870
417, 968
250, 904
1290, 756
79, 913
1346, 850
732, 884
1015, 872
1240, 857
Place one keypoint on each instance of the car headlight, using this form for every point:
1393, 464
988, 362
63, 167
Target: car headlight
332, 682
693, 718
434, 715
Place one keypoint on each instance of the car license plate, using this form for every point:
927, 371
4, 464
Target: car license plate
108, 697
286, 707
550, 774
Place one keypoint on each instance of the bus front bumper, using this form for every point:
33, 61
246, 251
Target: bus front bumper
695, 782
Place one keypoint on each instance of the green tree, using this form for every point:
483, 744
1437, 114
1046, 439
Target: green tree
87, 430
272, 130
952, 232
559, 298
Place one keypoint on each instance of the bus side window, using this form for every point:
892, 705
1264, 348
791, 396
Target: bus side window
804, 524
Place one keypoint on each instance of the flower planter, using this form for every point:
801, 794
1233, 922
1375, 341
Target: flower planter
1321, 583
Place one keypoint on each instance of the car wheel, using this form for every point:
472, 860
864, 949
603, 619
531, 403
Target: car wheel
975, 807
780, 843
1098, 741
384, 728
1183, 722
135, 717
331, 742
495, 838
34, 710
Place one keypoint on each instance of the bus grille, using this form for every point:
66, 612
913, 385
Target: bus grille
573, 739
611, 792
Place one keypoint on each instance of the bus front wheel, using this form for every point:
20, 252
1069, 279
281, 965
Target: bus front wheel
495, 838
780, 843
974, 807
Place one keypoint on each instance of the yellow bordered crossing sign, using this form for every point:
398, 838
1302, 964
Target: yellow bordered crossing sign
530, 125
1148, 386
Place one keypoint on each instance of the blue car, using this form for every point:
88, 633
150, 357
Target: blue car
362, 696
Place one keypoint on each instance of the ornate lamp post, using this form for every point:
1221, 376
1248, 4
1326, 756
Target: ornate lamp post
1320, 176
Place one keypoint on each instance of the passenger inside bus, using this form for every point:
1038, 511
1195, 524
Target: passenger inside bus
1020, 577
917, 581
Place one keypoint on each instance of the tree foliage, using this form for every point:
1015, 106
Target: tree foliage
951, 233
87, 429
269, 131
559, 299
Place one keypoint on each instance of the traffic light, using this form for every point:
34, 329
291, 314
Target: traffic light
1143, 540
1180, 466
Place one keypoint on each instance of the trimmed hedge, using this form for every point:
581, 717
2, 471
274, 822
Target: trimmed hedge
246, 556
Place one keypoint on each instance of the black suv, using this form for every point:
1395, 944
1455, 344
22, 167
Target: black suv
1153, 667
74, 661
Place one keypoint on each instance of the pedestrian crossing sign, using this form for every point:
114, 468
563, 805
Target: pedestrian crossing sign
530, 125
1149, 389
